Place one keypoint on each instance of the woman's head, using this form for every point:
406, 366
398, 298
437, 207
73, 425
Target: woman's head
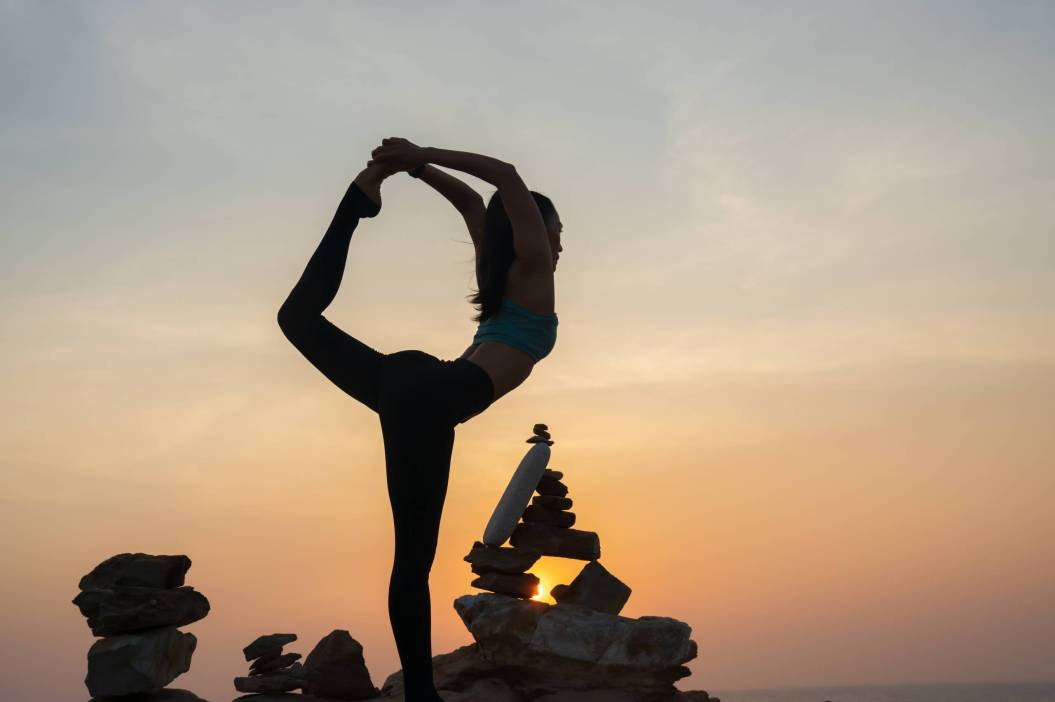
497, 252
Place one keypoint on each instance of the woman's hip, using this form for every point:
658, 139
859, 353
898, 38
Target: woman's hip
419, 387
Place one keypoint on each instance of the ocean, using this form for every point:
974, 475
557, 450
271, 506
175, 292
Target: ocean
976, 692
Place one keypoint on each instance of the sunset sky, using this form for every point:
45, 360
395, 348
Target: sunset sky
804, 380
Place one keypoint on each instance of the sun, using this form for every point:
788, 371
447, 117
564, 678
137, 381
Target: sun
541, 591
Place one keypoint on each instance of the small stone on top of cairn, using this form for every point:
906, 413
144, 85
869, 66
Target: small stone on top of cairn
271, 669
540, 435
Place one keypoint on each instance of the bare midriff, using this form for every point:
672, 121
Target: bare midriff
507, 365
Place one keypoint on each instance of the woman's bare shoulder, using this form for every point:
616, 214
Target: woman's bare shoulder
532, 290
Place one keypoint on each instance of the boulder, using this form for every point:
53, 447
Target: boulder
596, 588
268, 644
501, 559
276, 681
335, 669
134, 663
140, 569
123, 609
555, 541
651, 644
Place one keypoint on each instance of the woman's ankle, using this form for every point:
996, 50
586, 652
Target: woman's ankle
369, 181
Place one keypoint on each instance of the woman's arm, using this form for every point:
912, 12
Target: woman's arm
466, 200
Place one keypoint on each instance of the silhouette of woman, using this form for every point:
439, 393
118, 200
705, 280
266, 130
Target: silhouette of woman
419, 398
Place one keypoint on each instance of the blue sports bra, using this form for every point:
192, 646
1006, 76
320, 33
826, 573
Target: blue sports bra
515, 325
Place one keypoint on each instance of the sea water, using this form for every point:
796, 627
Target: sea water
978, 692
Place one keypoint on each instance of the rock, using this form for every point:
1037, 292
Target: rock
268, 682
543, 433
335, 669
552, 501
551, 486
266, 664
501, 625
557, 591
556, 541
501, 559
538, 514
539, 440
514, 584
140, 569
596, 588
539, 427
555, 474
279, 697
168, 694
133, 663
128, 608
267, 644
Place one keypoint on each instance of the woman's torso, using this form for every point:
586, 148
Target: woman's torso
509, 366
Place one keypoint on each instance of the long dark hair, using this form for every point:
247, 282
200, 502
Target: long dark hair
497, 253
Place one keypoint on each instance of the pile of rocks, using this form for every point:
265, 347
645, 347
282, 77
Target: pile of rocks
135, 602
334, 670
578, 650
271, 670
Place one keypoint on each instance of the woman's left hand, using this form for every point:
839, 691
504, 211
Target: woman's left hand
398, 153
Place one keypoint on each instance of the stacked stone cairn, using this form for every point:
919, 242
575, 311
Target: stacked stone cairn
334, 670
578, 650
135, 602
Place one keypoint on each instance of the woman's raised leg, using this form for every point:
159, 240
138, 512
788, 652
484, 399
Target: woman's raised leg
349, 363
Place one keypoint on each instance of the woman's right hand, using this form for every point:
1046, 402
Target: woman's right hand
398, 153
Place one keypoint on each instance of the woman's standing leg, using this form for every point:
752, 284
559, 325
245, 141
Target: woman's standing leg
418, 444
350, 364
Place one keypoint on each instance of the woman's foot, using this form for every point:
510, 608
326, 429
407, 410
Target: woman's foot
369, 182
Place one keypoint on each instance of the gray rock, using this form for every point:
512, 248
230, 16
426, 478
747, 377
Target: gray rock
133, 663
556, 541
266, 664
277, 681
596, 588
514, 584
267, 644
500, 559
528, 674
168, 694
140, 569
537, 514
124, 609
501, 624
552, 501
555, 474
335, 669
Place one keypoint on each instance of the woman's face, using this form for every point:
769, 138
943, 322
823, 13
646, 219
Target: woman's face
554, 227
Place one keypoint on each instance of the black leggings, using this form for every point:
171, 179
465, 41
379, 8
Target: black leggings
419, 399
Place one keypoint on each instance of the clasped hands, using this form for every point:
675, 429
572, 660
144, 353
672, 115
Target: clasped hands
397, 154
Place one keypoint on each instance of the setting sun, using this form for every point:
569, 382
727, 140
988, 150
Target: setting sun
541, 592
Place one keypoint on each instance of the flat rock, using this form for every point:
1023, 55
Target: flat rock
267, 644
136, 663
168, 694
276, 681
552, 501
537, 514
557, 541
555, 474
123, 609
266, 664
140, 569
335, 669
515, 584
501, 559
596, 588
279, 697
551, 486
